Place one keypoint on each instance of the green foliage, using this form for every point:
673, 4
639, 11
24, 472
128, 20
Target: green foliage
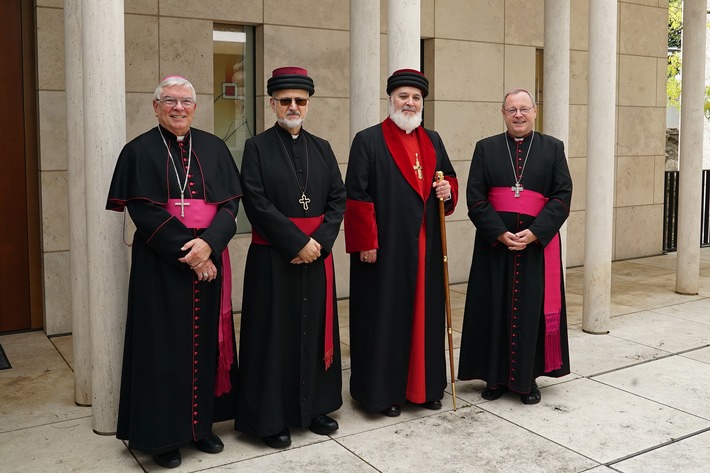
675, 23
673, 85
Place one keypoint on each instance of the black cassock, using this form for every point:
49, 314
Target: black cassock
171, 341
283, 380
386, 212
503, 340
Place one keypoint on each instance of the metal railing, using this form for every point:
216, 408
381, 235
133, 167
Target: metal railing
670, 211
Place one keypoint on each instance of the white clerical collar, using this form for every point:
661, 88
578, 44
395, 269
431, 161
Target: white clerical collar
295, 137
180, 138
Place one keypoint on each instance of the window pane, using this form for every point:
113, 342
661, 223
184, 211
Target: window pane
234, 99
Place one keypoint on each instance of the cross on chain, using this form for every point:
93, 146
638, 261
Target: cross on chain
303, 201
517, 188
417, 167
182, 205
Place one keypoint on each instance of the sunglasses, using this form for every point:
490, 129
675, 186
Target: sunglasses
286, 101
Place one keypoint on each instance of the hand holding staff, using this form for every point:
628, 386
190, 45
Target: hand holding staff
442, 214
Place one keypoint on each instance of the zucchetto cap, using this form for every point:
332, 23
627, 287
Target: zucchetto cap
290, 78
410, 77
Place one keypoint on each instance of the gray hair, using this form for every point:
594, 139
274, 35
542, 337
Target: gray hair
517, 91
171, 81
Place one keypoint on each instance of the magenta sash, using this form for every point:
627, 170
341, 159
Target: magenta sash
308, 225
199, 214
531, 203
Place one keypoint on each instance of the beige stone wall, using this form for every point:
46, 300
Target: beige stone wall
474, 50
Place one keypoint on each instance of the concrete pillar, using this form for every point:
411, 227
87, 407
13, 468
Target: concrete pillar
403, 35
364, 64
691, 146
556, 80
81, 336
599, 203
104, 136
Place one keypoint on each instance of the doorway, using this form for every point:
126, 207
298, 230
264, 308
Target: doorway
20, 257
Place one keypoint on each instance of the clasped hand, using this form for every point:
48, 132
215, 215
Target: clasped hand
198, 259
308, 253
517, 241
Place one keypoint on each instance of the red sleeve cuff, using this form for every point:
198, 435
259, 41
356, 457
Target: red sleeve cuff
360, 226
454, 183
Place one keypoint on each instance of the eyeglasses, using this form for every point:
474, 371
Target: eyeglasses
286, 101
172, 101
513, 111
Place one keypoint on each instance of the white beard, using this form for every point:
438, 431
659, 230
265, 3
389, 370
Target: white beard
406, 123
290, 123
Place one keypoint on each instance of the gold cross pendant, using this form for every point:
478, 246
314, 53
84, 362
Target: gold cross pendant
417, 167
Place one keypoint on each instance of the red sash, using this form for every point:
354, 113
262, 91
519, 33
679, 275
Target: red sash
199, 214
531, 203
308, 225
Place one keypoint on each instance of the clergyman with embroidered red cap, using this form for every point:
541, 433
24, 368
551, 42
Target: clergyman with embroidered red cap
393, 236
290, 373
518, 193
181, 188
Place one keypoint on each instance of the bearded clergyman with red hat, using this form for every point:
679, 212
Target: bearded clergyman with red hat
393, 235
290, 374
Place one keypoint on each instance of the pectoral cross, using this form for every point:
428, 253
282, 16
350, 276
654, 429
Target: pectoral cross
182, 205
304, 201
417, 167
517, 188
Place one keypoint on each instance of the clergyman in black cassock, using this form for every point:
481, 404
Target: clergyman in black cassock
518, 194
181, 188
289, 351
393, 235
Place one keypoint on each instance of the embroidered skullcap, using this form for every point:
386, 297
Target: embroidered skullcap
410, 77
290, 78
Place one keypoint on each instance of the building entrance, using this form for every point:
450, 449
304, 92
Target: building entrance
20, 277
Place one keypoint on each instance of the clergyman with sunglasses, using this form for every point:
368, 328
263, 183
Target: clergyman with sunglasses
290, 372
181, 188
518, 194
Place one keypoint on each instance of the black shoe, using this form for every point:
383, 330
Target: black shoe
171, 459
392, 411
433, 405
210, 444
323, 425
280, 440
533, 397
491, 394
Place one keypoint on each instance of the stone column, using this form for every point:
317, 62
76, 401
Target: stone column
81, 336
403, 35
690, 145
556, 81
599, 203
364, 64
104, 136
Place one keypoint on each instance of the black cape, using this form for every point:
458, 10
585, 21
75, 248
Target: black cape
495, 348
171, 346
382, 294
283, 381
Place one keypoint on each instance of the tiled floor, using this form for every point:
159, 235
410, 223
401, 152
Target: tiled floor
638, 400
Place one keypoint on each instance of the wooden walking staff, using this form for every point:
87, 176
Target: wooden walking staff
442, 215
